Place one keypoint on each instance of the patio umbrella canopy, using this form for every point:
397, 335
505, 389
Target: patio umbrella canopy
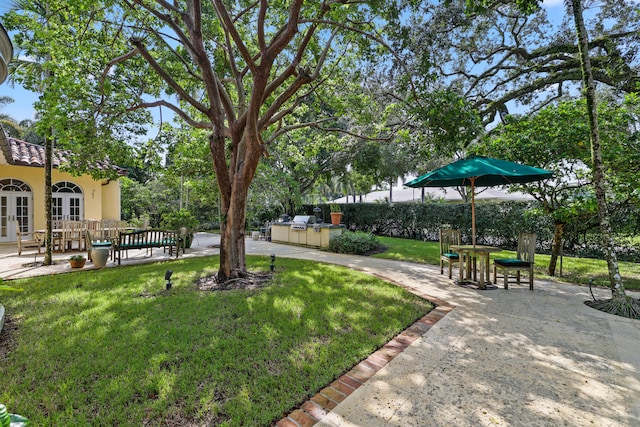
479, 171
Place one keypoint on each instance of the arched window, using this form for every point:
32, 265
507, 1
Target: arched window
12, 184
66, 187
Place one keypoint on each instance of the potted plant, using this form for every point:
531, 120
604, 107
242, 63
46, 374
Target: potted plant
181, 219
336, 214
77, 261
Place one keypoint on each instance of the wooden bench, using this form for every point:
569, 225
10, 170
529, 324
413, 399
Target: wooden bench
146, 239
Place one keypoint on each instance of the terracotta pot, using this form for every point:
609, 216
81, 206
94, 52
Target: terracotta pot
77, 263
336, 218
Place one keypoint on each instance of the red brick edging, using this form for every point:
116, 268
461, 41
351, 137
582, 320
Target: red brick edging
316, 408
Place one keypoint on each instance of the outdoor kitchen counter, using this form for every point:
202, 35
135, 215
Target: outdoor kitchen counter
314, 235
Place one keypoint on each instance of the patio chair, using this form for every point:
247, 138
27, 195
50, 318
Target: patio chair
267, 234
95, 227
263, 230
28, 239
523, 261
448, 237
56, 235
88, 239
176, 241
112, 228
72, 232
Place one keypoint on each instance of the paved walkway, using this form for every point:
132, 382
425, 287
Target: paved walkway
499, 358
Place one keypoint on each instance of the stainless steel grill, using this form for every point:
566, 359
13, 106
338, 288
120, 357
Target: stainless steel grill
304, 219
300, 222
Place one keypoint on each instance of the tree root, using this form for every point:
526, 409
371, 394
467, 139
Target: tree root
620, 306
253, 280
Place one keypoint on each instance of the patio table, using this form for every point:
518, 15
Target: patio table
468, 253
56, 233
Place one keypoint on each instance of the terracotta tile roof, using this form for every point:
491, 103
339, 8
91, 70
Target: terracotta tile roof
17, 152
27, 154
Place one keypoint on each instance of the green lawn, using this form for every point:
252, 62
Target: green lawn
574, 270
112, 347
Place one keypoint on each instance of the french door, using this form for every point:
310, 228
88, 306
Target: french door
67, 202
16, 201
66, 207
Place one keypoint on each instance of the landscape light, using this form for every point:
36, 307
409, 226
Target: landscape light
167, 277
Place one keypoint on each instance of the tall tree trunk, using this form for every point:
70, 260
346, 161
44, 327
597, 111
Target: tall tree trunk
599, 180
48, 163
558, 234
48, 172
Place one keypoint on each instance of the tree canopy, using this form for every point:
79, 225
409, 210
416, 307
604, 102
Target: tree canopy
498, 56
557, 139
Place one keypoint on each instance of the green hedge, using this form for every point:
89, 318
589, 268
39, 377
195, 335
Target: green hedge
497, 223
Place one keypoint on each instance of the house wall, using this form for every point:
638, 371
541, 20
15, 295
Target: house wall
92, 191
100, 201
111, 193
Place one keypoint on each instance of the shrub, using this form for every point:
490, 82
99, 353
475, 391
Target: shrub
181, 218
356, 242
209, 226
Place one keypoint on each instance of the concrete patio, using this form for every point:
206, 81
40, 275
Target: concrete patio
499, 358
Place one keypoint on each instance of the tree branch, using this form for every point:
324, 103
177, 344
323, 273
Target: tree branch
174, 108
166, 77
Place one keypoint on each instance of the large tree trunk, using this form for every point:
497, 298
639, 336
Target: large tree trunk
558, 233
232, 242
234, 179
599, 180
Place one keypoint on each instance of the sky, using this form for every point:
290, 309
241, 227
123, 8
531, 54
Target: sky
22, 107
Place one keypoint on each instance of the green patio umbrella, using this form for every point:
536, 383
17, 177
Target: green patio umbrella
479, 171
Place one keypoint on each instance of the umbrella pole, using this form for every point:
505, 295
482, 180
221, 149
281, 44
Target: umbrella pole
473, 211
